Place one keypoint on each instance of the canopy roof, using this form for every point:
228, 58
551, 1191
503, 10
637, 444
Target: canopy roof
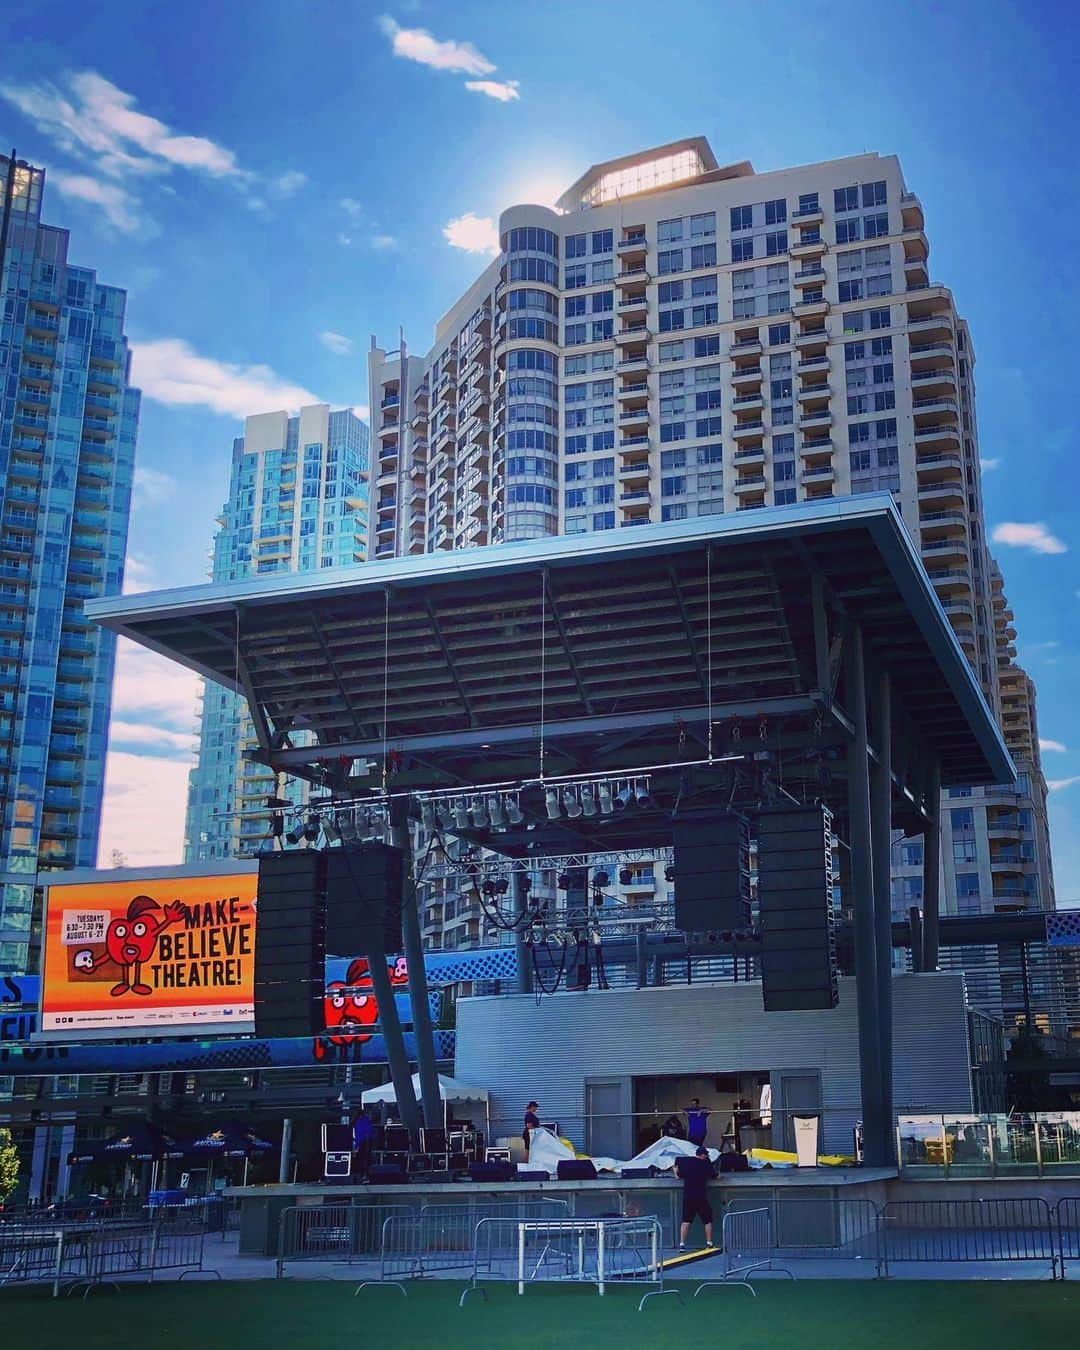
449, 1089
604, 649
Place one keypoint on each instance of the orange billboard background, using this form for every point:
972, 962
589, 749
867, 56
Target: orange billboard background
147, 954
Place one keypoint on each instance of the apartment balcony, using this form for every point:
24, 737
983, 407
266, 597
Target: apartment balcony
814, 339
942, 495
742, 377
746, 347
632, 363
950, 581
944, 534
941, 436
916, 275
811, 306
815, 447
811, 244
388, 431
934, 378
810, 276
751, 454
749, 483
1009, 862
748, 402
637, 442
635, 498
911, 212
931, 468
634, 417
634, 391
959, 611
938, 322
635, 472
1002, 826
630, 276
807, 216
418, 421
818, 473
813, 419
810, 395
749, 430
632, 333
634, 305
633, 246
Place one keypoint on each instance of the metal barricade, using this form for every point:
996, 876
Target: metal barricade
179, 1246
31, 1255
748, 1247
338, 1233
815, 1228
942, 1232
599, 1250
1067, 1224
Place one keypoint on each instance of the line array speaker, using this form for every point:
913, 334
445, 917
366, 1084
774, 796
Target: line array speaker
712, 871
795, 900
290, 944
363, 900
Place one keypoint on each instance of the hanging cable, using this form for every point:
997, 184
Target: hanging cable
708, 645
385, 685
543, 661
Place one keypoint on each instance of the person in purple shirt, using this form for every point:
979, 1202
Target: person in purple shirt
697, 1121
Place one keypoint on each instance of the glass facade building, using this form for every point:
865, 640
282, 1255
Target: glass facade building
297, 502
68, 424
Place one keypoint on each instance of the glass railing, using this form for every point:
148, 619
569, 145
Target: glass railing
1041, 1143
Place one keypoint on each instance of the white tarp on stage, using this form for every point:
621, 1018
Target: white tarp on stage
548, 1150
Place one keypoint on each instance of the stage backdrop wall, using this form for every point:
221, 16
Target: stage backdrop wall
550, 1050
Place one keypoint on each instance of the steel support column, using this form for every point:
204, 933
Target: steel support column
522, 949
394, 1040
423, 1032
932, 869
881, 841
875, 1129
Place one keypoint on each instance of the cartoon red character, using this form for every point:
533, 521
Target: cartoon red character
130, 941
347, 1014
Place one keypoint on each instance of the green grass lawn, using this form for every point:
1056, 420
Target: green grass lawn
809, 1315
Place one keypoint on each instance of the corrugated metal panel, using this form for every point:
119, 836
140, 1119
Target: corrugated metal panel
520, 1048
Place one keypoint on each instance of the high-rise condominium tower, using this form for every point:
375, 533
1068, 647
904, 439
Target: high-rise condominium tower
68, 421
297, 502
680, 338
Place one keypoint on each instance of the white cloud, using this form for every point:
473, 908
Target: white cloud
337, 343
987, 464
503, 90
352, 208
417, 44
288, 184
169, 372
1057, 784
138, 575
152, 691
473, 233
383, 243
151, 487
1056, 746
1033, 535
344, 239
143, 810
138, 733
93, 117
118, 206
362, 411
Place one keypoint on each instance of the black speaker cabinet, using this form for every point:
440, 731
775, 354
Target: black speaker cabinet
712, 872
290, 944
576, 1169
795, 901
363, 900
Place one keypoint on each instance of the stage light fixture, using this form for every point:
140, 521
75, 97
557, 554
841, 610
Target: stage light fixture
600, 880
330, 828
624, 797
277, 824
588, 799
445, 813
487, 886
294, 835
551, 801
563, 881
669, 873
502, 885
641, 793
311, 828
346, 823
461, 814
496, 812
478, 809
571, 803
427, 816
603, 794
626, 876
514, 813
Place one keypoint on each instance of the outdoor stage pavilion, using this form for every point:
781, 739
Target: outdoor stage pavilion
783, 654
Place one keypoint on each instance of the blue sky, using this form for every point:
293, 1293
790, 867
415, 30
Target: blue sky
275, 182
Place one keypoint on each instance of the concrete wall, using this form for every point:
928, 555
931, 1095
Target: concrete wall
520, 1048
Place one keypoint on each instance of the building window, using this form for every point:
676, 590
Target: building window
776, 212
874, 194
847, 231
575, 277
703, 226
779, 334
775, 243
846, 199
742, 218
784, 496
876, 227
742, 250
703, 255
602, 241
575, 246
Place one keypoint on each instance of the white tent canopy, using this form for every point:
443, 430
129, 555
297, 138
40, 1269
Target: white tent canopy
449, 1089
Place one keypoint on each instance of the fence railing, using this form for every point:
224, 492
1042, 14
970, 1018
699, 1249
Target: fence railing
1028, 1144
946, 1232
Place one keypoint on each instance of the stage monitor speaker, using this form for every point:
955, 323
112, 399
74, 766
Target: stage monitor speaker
491, 1171
712, 871
363, 900
795, 901
337, 1165
290, 944
337, 1138
576, 1169
387, 1174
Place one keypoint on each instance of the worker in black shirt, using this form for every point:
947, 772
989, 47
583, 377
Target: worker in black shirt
532, 1122
695, 1173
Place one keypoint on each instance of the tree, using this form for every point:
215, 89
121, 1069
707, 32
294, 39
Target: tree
9, 1164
